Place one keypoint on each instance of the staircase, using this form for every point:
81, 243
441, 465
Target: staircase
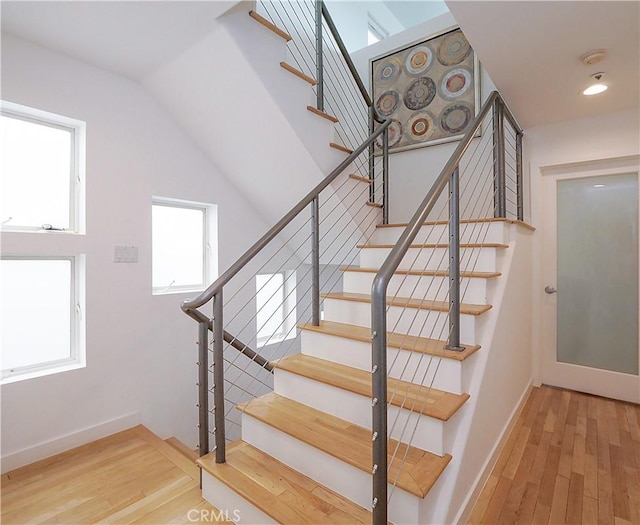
297, 422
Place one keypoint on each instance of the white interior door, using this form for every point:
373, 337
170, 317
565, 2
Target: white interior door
590, 297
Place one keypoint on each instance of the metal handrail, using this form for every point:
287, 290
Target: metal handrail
448, 176
190, 306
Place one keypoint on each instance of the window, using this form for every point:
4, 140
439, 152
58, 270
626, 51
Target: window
182, 245
42, 170
275, 307
375, 32
40, 308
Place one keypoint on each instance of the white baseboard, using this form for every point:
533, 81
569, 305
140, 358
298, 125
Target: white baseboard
67, 442
473, 495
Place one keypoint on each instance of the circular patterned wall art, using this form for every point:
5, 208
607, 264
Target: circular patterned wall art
388, 70
455, 83
395, 134
456, 117
420, 93
387, 103
420, 127
453, 49
418, 60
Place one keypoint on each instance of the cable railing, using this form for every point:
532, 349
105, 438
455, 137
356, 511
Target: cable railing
481, 181
260, 302
318, 51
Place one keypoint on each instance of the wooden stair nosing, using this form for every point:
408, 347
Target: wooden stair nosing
322, 114
420, 273
269, 25
187, 452
347, 442
340, 147
436, 245
426, 304
427, 401
279, 491
360, 178
464, 221
374, 204
394, 340
298, 73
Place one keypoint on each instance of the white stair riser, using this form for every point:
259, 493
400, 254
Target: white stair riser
428, 433
233, 506
438, 233
452, 375
471, 259
412, 321
350, 482
433, 287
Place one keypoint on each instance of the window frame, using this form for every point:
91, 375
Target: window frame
209, 254
77, 129
77, 350
287, 307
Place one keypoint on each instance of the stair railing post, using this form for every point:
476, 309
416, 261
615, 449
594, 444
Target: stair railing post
385, 177
315, 261
499, 161
203, 388
372, 163
454, 261
519, 179
218, 378
319, 58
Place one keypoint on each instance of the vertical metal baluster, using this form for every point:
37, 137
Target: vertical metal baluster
379, 403
372, 162
315, 261
498, 160
319, 58
218, 378
519, 178
454, 261
203, 387
385, 176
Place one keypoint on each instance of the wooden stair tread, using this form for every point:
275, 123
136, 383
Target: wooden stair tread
360, 178
347, 442
465, 221
422, 304
438, 273
394, 340
417, 398
279, 491
374, 204
340, 147
298, 73
266, 23
322, 114
182, 448
438, 245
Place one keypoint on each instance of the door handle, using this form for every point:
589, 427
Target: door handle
550, 290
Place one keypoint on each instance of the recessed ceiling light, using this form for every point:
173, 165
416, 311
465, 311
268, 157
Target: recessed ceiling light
598, 185
597, 87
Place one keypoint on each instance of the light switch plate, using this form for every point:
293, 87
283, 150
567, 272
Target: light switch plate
125, 254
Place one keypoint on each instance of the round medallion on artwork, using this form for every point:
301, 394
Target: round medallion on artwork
455, 83
388, 70
387, 102
395, 134
453, 49
420, 127
418, 60
420, 93
456, 117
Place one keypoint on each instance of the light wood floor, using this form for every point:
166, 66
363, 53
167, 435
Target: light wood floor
572, 458
130, 477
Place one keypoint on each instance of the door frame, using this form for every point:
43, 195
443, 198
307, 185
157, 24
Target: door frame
605, 383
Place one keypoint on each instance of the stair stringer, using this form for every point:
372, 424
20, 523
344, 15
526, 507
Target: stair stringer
501, 379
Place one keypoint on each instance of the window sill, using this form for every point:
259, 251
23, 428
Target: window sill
42, 372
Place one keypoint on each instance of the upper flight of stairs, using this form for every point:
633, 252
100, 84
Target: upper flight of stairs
305, 452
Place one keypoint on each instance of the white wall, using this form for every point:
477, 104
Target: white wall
593, 138
413, 172
140, 348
